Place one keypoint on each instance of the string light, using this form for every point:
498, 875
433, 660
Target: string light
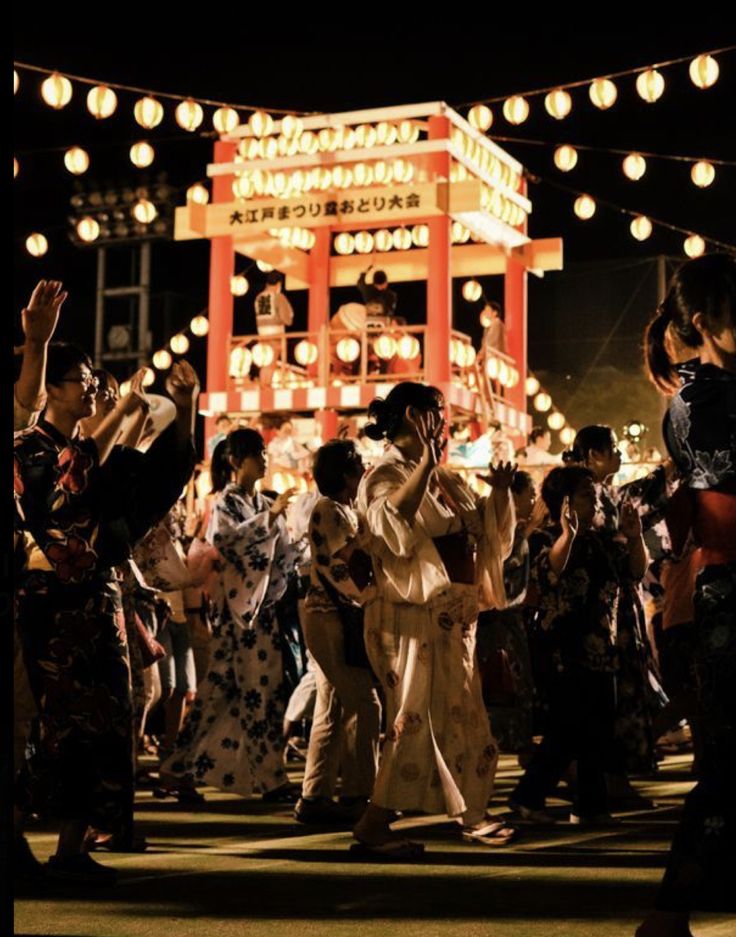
200, 326
531, 386
472, 291
36, 245
101, 102
603, 93
634, 166
16, 168
305, 353
480, 117
363, 241
189, 115
148, 112
555, 420
641, 227
542, 402
225, 119
76, 160
261, 124
144, 211
238, 285
704, 71
702, 174
16, 82
650, 85
383, 240
179, 344
149, 377
162, 360
567, 435
566, 158
694, 246
344, 243
142, 154
516, 109
584, 207
558, 104
56, 91
88, 229
348, 350
198, 193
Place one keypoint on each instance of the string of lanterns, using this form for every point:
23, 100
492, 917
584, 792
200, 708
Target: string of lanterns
542, 403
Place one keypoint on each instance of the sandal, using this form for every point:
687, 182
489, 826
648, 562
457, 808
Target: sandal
402, 850
495, 833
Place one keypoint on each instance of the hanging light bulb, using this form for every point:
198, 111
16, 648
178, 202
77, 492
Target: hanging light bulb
225, 119
198, 193
584, 207
240, 362
459, 233
555, 420
566, 157
402, 170
87, 229
238, 285
634, 166
472, 291
56, 91
162, 360
382, 172
144, 211
189, 115
308, 143
363, 242
263, 266
148, 112
603, 93
348, 349
149, 377
694, 246
702, 173
263, 355
420, 235
16, 168
344, 243
142, 154
383, 240
567, 435
385, 347
16, 82
36, 245
291, 126
542, 402
492, 367
531, 386
365, 136
76, 160
480, 117
200, 326
179, 344
409, 131
650, 85
558, 104
641, 227
101, 102
407, 347
402, 239
516, 109
260, 123
704, 71
305, 353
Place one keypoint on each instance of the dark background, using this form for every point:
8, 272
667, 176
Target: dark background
585, 323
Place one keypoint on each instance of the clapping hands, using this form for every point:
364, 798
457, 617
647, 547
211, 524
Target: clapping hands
430, 428
42, 312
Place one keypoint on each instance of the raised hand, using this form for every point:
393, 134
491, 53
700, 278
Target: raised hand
568, 519
281, 502
136, 398
429, 427
42, 312
629, 521
501, 475
183, 384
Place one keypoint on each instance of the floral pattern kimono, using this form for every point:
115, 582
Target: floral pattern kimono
232, 737
440, 755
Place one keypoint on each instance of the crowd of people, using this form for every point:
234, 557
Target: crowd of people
418, 627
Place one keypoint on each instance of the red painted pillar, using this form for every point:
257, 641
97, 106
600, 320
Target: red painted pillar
222, 265
439, 279
318, 320
515, 309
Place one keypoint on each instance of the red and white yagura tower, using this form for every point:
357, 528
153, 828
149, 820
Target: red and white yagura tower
415, 190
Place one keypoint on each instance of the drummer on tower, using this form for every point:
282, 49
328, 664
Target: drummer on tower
379, 298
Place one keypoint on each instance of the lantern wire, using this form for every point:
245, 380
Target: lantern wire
587, 81
615, 150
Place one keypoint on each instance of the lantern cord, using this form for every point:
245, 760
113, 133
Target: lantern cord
587, 81
614, 150
157, 94
535, 177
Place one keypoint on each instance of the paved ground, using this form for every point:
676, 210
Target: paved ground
240, 868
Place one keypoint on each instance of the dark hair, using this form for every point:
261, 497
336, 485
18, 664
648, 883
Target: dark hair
496, 307
521, 481
273, 277
706, 285
536, 432
388, 414
332, 462
61, 357
380, 277
588, 439
104, 380
223, 416
562, 482
239, 444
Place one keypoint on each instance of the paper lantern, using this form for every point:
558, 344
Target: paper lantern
402, 239
238, 285
472, 291
225, 119
198, 193
362, 174
542, 402
365, 136
407, 347
263, 355
567, 435
101, 102
291, 126
144, 211
516, 109
531, 386
76, 160
88, 230
36, 245
702, 174
348, 349
383, 240
467, 359
558, 104
504, 373
16, 82
485, 318
179, 344
142, 154
420, 235
260, 123
125, 388
650, 85
584, 207
268, 148
305, 353
459, 233
344, 243
694, 246
603, 93
385, 347
263, 266
162, 360
382, 172
242, 187
16, 168
492, 367
704, 71
409, 131
402, 170
566, 158
189, 115
641, 227
480, 117
342, 177
200, 325
634, 166
148, 112
555, 420
56, 91
240, 362
363, 241
149, 377
308, 143
513, 377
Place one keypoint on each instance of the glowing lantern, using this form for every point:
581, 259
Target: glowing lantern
263, 266
584, 207
162, 360
101, 102
480, 117
16, 81
531, 386
382, 172
263, 355
365, 136
641, 227
485, 319
385, 347
16, 168
694, 246
149, 377
56, 90
459, 233
555, 420
383, 132
363, 242
567, 435
326, 139
702, 174
420, 235
88, 230
179, 344
516, 109
198, 193
36, 245
240, 362
504, 373
125, 388
325, 179
468, 356
566, 158
144, 211
402, 170
362, 174
238, 285
225, 119
76, 160
268, 148
407, 347
242, 187
344, 243
704, 71
383, 240
514, 377
342, 177
348, 349
260, 123
542, 402
189, 115
142, 154
472, 291
200, 326
558, 104
148, 112
291, 126
409, 132
634, 166
603, 93
650, 85
492, 367
305, 353
308, 143
402, 239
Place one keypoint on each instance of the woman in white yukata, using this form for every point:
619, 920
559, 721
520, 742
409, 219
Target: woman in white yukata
438, 556
232, 738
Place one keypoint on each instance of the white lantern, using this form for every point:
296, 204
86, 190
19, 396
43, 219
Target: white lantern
238, 285
36, 245
382, 172
641, 227
16, 82
516, 109
56, 91
198, 193
704, 71
566, 157
542, 402
480, 117
189, 115
179, 344
144, 211
362, 174
407, 347
694, 246
148, 112
260, 123
243, 187
531, 386
365, 136
363, 241
504, 373
385, 347
240, 362
472, 291
567, 435
459, 233
650, 85
493, 367
555, 420
409, 131
603, 93
308, 143
149, 377
16, 168
142, 154
200, 326
348, 349
76, 160
402, 239
305, 353
263, 355
558, 104
263, 266
101, 102
344, 243
584, 207
702, 173
225, 119
468, 356
162, 360
88, 230
634, 166
291, 126
420, 235
383, 240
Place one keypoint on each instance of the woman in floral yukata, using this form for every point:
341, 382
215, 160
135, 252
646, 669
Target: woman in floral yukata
80, 506
232, 738
438, 552
699, 312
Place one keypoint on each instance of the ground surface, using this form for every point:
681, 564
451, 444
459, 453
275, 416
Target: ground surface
243, 868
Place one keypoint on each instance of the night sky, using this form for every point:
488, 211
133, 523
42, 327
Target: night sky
584, 324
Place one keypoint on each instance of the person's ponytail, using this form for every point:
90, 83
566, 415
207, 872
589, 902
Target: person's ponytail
220, 468
659, 365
